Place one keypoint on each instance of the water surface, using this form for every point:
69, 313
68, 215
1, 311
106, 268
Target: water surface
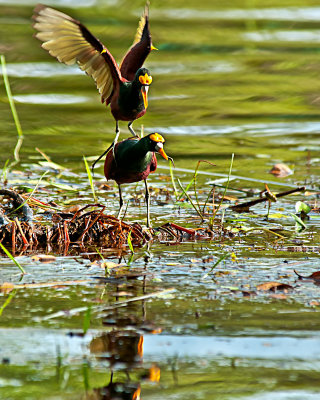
238, 78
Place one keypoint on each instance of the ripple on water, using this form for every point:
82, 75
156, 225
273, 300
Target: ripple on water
56, 3
215, 67
42, 69
279, 14
284, 395
51, 98
262, 129
283, 36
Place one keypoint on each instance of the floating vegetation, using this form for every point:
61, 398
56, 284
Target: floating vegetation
88, 225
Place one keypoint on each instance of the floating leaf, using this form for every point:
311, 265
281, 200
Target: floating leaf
121, 294
232, 288
64, 187
6, 287
51, 165
274, 286
110, 265
72, 209
280, 170
248, 293
278, 296
302, 207
277, 215
44, 258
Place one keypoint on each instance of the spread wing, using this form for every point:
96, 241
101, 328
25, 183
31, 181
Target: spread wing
71, 42
139, 51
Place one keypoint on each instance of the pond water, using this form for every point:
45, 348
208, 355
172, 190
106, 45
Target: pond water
229, 78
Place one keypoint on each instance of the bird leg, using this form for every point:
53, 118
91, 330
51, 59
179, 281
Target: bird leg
99, 158
117, 134
120, 202
148, 203
112, 146
131, 129
115, 139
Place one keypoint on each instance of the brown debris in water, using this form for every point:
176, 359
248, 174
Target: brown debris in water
85, 226
92, 227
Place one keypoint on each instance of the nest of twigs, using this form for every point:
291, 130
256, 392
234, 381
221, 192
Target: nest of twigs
92, 227
89, 225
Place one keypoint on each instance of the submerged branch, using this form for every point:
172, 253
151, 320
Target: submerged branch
243, 207
118, 304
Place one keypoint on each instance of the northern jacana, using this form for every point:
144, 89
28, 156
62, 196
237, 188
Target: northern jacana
125, 88
133, 160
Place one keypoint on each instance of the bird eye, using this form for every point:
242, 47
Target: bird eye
158, 146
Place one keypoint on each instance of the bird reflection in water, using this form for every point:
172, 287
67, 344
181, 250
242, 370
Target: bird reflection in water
116, 391
122, 349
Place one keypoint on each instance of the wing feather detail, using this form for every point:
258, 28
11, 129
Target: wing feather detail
140, 49
71, 42
141, 25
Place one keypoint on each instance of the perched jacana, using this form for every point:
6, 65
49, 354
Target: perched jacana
125, 88
132, 161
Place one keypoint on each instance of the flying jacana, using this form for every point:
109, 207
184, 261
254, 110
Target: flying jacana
132, 161
125, 88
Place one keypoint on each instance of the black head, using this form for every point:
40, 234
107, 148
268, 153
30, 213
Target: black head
144, 79
156, 144
143, 76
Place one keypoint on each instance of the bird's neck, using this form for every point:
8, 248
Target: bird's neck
130, 96
140, 156
142, 147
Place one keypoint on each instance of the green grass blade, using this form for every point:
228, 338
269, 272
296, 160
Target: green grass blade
130, 242
195, 182
12, 258
85, 374
8, 301
225, 190
87, 320
9, 94
223, 257
299, 222
5, 171
184, 191
173, 182
90, 179
31, 194
207, 199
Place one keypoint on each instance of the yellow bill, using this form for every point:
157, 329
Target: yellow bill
144, 92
